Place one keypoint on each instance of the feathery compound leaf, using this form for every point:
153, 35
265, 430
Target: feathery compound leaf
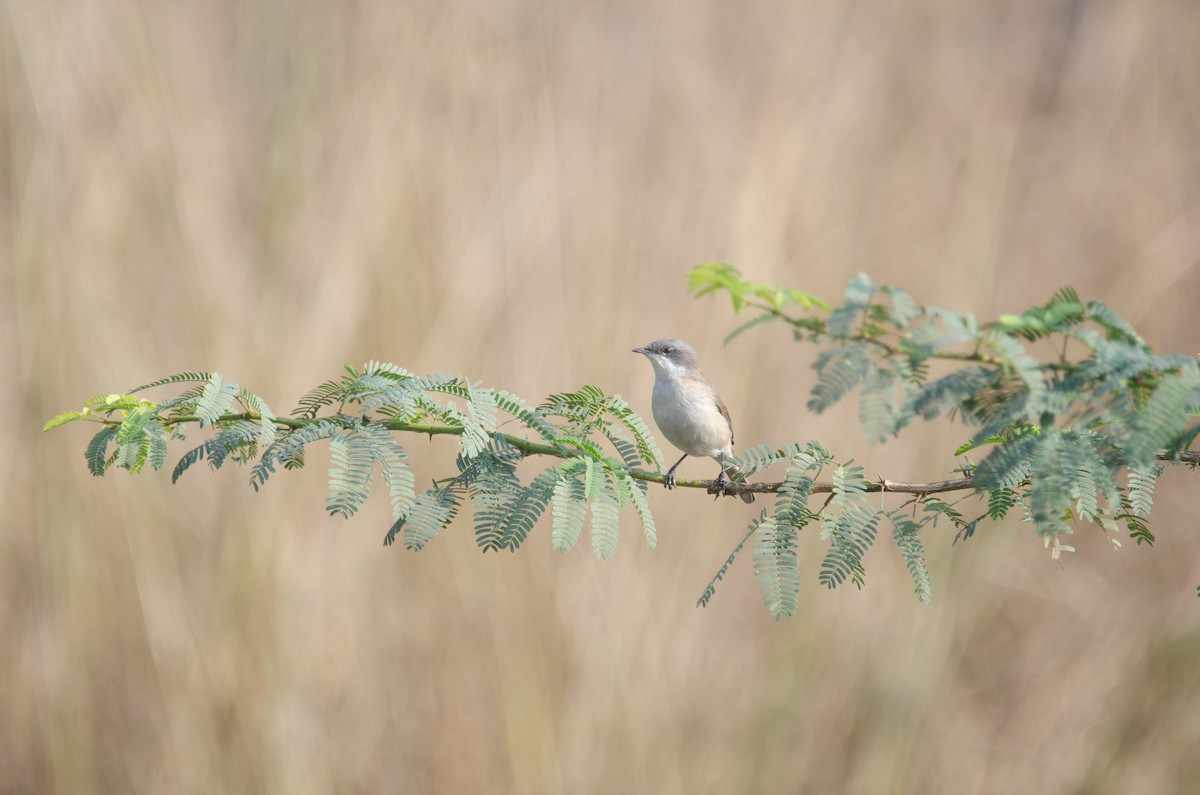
215, 400
838, 372
777, 566
791, 506
1115, 326
749, 324
624, 447
951, 391
999, 501
63, 418
175, 379
433, 509
493, 475
1089, 476
1049, 490
266, 422
1141, 488
132, 444
569, 510
319, 397
941, 329
1007, 466
643, 439
711, 589
156, 435
904, 309
880, 410
858, 293
396, 474
1164, 417
851, 532
642, 506
1027, 368
183, 404
605, 519
755, 459
531, 418
290, 447
1061, 313
481, 405
511, 521
593, 479
350, 476
236, 438
97, 450
905, 534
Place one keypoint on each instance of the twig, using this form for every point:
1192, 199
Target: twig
529, 447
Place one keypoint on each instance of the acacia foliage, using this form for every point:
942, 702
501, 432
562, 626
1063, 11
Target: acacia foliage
1071, 418
1071, 415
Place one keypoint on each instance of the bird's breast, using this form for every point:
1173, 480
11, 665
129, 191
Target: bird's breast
689, 418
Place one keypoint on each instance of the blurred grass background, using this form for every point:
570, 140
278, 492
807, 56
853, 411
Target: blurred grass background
514, 191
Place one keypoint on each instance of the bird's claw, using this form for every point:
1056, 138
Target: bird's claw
669, 480
720, 487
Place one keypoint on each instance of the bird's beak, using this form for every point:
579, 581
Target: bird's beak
640, 350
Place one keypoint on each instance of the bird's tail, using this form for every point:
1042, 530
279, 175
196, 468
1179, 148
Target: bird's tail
738, 482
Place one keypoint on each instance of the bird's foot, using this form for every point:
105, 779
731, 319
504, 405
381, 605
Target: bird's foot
669, 480
720, 487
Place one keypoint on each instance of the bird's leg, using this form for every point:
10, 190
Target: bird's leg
669, 479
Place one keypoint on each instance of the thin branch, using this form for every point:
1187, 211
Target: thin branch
1191, 457
891, 350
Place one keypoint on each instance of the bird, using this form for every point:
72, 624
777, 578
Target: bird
688, 410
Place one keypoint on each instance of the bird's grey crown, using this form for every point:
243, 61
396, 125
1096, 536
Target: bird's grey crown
674, 349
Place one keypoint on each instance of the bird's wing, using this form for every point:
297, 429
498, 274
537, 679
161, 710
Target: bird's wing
724, 413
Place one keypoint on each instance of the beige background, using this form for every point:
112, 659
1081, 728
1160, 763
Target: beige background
514, 191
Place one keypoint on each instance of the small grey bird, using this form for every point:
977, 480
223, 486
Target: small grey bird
688, 410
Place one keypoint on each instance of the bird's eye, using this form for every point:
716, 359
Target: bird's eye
668, 350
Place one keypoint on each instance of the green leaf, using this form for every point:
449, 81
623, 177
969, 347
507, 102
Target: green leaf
777, 566
290, 447
1115, 326
791, 506
951, 391
569, 509
1049, 491
1141, 488
838, 372
350, 477
1027, 368
218, 395
512, 520
1007, 466
433, 509
905, 534
392, 461
175, 379
850, 528
904, 309
880, 410
63, 418
941, 329
642, 506
319, 397
97, 450
999, 501
605, 518
1164, 417
266, 422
